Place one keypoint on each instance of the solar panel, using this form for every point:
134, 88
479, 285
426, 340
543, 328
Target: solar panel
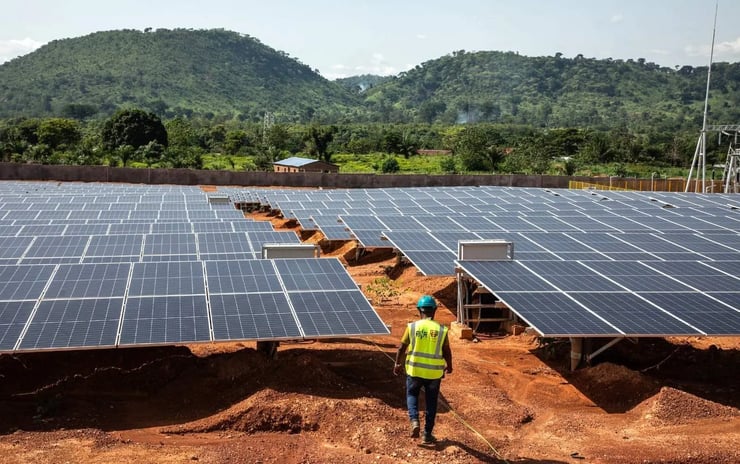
169, 244
506, 276
371, 238
89, 281
554, 314
115, 245
13, 247
23, 282
701, 311
73, 323
167, 278
165, 320
327, 313
432, 262
13, 318
56, 247
408, 241
314, 274
224, 242
253, 317
697, 275
636, 277
570, 276
252, 276
634, 315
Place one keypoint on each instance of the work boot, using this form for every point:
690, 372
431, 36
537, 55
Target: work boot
428, 439
415, 428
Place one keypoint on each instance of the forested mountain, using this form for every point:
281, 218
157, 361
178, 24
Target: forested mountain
171, 72
557, 91
230, 76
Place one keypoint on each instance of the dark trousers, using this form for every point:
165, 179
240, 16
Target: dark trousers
431, 393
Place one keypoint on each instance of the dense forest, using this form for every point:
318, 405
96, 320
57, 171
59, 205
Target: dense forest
223, 100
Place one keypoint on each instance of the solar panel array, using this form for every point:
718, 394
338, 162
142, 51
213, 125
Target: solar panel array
100, 265
586, 262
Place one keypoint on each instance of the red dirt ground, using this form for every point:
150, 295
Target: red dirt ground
508, 400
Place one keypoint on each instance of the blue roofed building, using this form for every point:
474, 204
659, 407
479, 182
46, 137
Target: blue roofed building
298, 164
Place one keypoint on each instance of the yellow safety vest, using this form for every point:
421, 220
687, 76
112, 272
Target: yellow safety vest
424, 358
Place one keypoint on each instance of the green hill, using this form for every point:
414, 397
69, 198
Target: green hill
226, 75
556, 91
170, 72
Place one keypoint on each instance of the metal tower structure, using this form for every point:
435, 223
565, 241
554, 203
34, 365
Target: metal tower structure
267, 122
699, 163
731, 174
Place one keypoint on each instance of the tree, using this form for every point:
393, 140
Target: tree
134, 128
479, 148
235, 141
390, 164
318, 139
59, 132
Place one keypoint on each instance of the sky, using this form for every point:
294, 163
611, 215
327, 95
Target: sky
342, 38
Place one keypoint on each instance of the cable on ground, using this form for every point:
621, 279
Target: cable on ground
454, 414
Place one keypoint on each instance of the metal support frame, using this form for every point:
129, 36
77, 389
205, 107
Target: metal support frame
731, 174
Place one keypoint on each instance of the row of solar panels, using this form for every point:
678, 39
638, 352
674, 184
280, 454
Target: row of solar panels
607, 298
74, 306
520, 200
139, 247
585, 263
129, 227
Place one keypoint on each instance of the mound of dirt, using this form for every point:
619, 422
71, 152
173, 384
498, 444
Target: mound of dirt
614, 387
673, 407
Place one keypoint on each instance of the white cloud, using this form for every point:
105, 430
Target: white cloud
659, 51
729, 50
617, 18
421, 36
12, 48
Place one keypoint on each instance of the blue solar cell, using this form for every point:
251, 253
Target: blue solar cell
252, 276
23, 282
705, 313
314, 274
335, 313
56, 247
170, 244
13, 247
73, 324
408, 241
115, 245
569, 276
433, 262
505, 276
371, 238
253, 317
129, 228
89, 281
167, 278
633, 315
13, 317
555, 315
164, 320
224, 242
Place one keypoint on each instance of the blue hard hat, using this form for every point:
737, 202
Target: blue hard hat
426, 303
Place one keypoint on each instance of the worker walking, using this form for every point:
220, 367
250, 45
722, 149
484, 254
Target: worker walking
429, 357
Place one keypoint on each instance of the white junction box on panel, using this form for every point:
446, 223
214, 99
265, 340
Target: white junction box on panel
290, 250
484, 250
